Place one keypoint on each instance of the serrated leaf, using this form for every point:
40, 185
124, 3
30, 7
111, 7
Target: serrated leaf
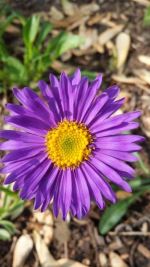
4, 235
31, 29
113, 214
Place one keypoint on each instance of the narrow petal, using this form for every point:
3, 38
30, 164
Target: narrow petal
113, 91
125, 138
84, 191
112, 175
21, 136
115, 163
94, 189
118, 146
13, 145
96, 107
34, 178
124, 126
66, 192
103, 186
119, 155
22, 154
30, 124
76, 78
90, 95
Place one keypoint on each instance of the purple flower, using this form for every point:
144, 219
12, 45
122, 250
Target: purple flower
68, 147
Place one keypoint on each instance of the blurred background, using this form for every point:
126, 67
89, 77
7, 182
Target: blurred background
110, 37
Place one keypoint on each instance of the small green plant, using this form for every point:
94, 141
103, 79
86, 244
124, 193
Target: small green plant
11, 206
146, 20
38, 50
114, 213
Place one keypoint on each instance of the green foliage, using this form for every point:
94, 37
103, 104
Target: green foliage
146, 20
11, 207
38, 50
114, 213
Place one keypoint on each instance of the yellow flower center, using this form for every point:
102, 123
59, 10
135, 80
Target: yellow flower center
69, 144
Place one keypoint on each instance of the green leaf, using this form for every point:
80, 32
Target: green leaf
16, 209
8, 191
45, 29
90, 74
31, 29
3, 50
137, 183
140, 163
15, 69
7, 21
62, 43
9, 226
113, 214
147, 17
4, 235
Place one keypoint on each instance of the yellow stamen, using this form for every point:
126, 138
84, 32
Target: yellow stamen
68, 145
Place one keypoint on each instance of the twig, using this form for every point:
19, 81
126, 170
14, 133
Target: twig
132, 233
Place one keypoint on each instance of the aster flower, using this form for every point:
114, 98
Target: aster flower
68, 147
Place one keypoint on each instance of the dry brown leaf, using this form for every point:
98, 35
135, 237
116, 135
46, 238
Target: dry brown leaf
144, 59
22, 250
146, 124
44, 217
61, 231
69, 8
60, 66
122, 46
122, 194
109, 34
142, 2
144, 251
45, 258
144, 227
56, 14
90, 36
88, 9
69, 263
129, 80
103, 260
116, 261
143, 74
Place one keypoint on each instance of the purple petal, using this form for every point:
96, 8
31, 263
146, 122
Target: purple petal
102, 185
113, 91
13, 145
115, 163
124, 126
30, 124
94, 189
119, 155
95, 108
76, 78
22, 154
90, 95
21, 136
110, 174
